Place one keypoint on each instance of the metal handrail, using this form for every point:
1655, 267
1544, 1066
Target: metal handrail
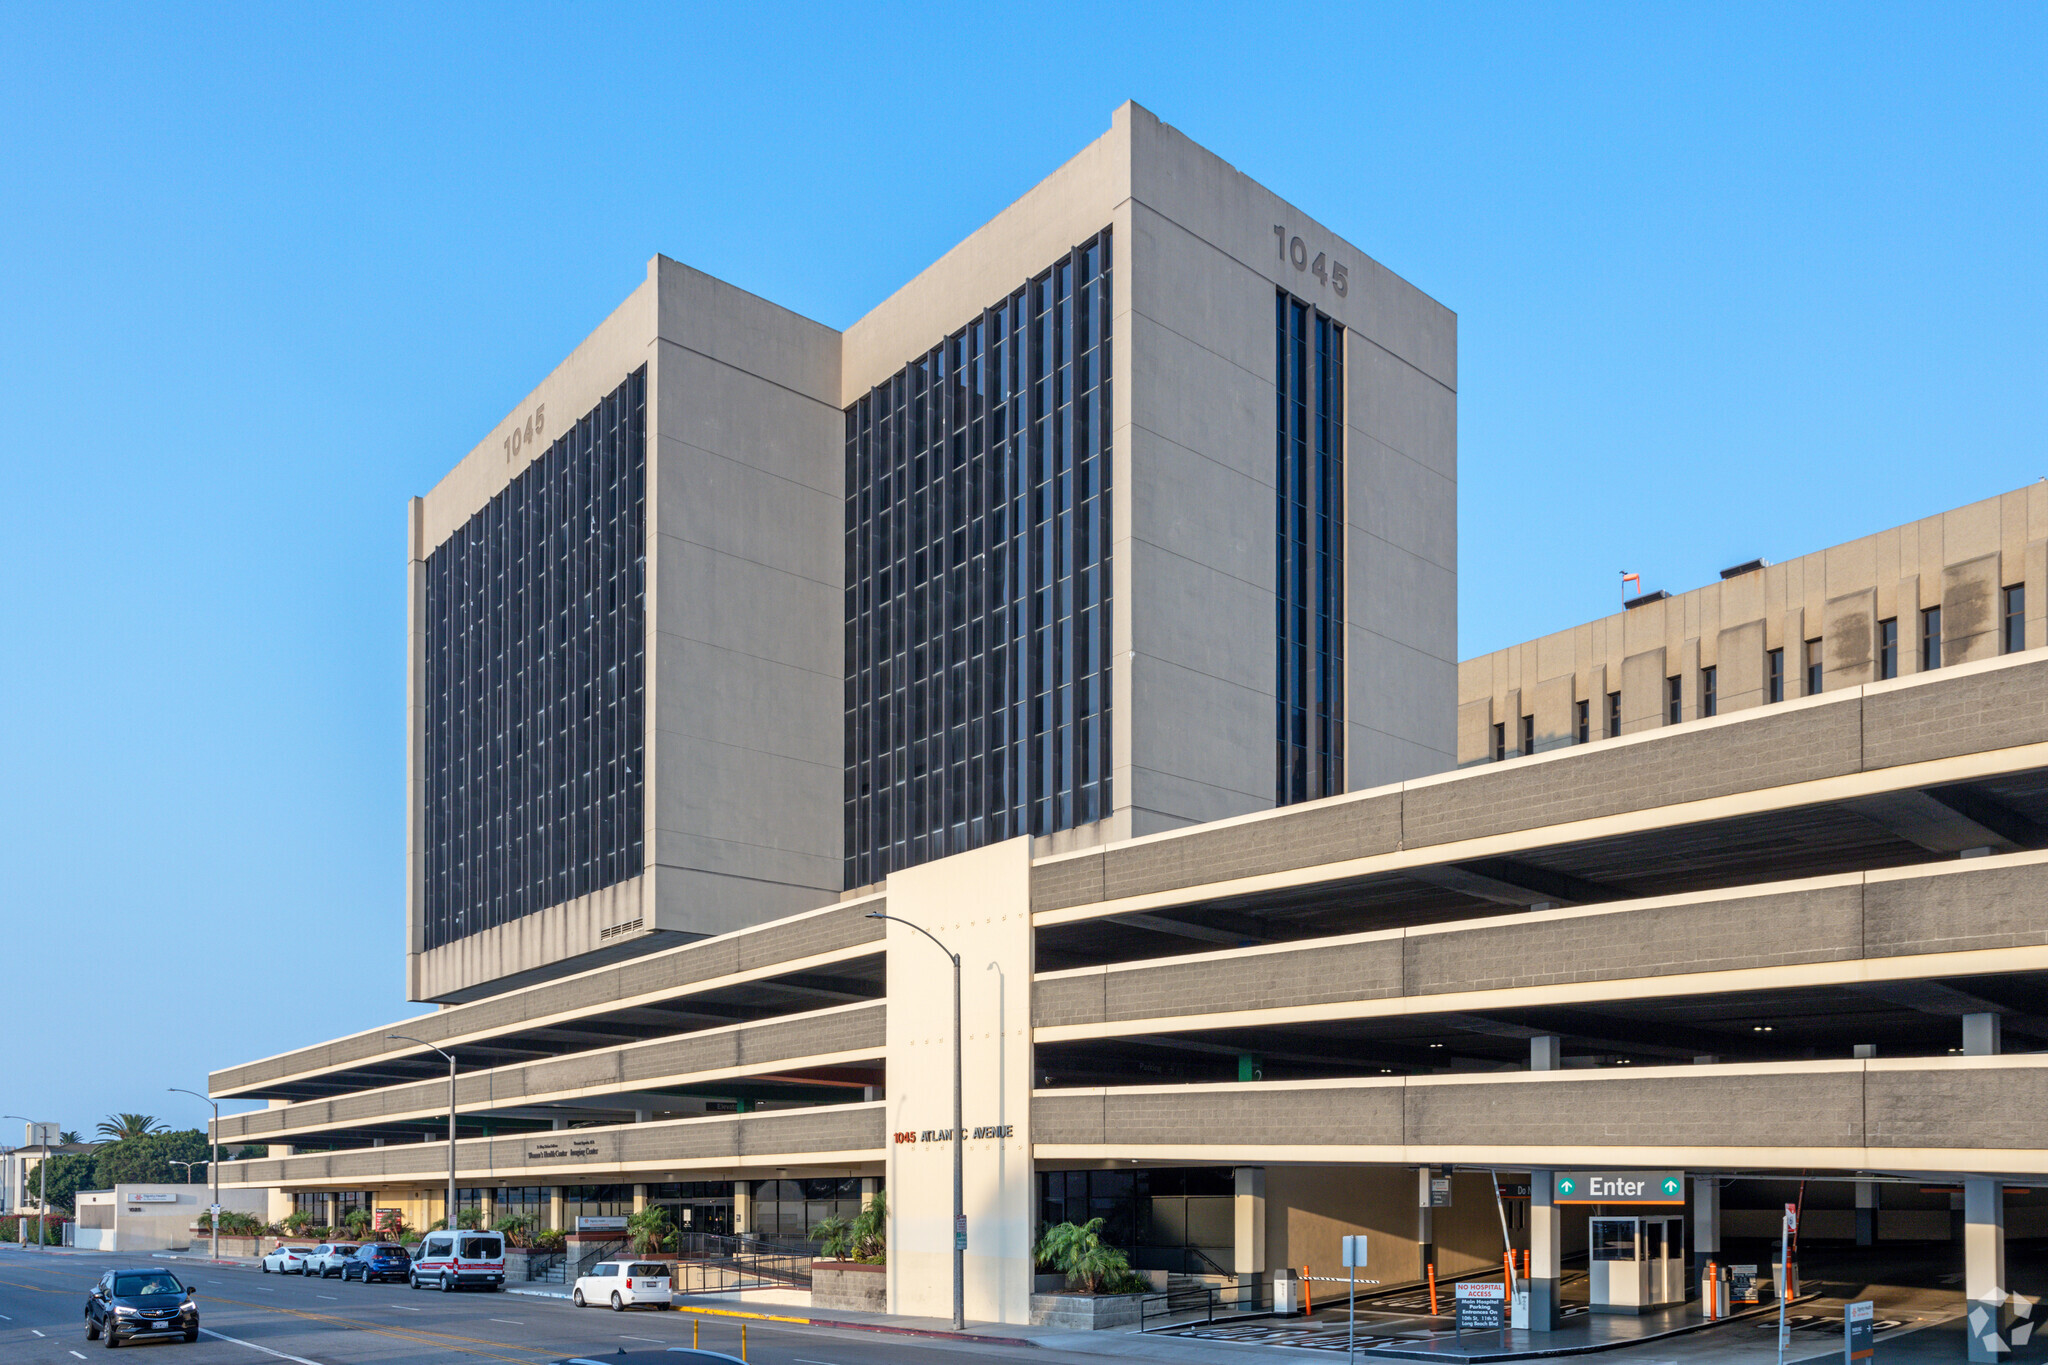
1177, 1302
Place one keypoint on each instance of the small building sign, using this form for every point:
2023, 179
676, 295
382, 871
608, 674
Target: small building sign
151, 1197
1482, 1306
1620, 1187
595, 1224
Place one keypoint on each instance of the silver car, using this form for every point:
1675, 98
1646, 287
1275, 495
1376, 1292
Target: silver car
329, 1257
287, 1260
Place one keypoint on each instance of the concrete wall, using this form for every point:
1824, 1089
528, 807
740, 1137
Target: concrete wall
1197, 436
1957, 560
1311, 1209
1972, 708
1848, 919
976, 904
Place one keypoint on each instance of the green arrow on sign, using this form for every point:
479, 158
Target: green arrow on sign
1671, 1185
1566, 1185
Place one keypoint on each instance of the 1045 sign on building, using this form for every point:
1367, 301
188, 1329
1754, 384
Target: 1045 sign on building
1334, 274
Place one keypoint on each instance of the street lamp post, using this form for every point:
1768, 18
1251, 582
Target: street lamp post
42, 1172
212, 1167
188, 1165
401, 1038
959, 1209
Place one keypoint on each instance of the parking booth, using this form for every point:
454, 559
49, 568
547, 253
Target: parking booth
1636, 1263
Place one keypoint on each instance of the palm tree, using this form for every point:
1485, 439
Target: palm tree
648, 1229
69, 1137
120, 1126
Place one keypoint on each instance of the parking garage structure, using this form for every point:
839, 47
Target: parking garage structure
1801, 941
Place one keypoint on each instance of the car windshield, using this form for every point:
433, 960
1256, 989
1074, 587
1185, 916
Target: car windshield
647, 1271
346, 1247
475, 1248
158, 1282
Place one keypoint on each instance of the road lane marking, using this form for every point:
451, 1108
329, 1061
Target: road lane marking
801, 1361
79, 1354
419, 1336
513, 1322
34, 1330
658, 1341
329, 1297
222, 1336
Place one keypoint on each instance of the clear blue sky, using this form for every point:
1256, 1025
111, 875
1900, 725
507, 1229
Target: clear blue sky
1731, 282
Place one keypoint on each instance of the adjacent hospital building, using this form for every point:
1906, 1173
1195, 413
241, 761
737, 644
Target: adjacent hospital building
1091, 604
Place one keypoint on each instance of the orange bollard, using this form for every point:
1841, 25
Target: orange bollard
1710, 1292
1526, 1262
695, 1323
1308, 1295
1432, 1289
743, 1341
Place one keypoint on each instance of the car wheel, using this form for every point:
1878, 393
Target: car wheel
447, 1282
412, 1281
107, 1337
575, 1298
191, 1336
266, 1265
618, 1304
92, 1330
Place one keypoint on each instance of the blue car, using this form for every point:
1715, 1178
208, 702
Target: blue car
377, 1261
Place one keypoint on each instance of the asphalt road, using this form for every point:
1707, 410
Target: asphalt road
249, 1318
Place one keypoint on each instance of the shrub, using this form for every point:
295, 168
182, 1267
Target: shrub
869, 1231
518, 1229
1078, 1252
834, 1237
297, 1224
648, 1229
22, 1228
551, 1240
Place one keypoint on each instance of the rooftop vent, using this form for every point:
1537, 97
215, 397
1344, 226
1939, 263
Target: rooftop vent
1748, 566
1657, 596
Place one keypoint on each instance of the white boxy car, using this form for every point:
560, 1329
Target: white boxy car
287, 1261
620, 1285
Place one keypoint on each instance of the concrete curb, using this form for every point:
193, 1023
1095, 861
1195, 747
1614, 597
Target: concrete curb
886, 1328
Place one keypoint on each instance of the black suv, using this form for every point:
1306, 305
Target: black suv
377, 1261
130, 1304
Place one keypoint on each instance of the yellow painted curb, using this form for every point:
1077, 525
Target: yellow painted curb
738, 1313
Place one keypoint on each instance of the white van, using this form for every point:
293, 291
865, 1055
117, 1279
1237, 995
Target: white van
449, 1260
622, 1284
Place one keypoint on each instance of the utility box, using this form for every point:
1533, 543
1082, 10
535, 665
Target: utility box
1286, 1292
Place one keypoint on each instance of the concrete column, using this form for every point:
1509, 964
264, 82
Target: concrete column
1546, 1251
1546, 1052
1706, 1226
487, 1205
743, 1206
870, 1186
1425, 1225
1982, 1035
560, 1124
1984, 1267
639, 1198
1249, 1261
556, 1209
1866, 1212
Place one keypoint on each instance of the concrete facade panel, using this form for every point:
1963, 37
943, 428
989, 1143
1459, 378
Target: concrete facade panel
1998, 907
1992, 709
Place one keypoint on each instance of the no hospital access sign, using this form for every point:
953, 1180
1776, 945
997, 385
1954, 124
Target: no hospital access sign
1620, 1187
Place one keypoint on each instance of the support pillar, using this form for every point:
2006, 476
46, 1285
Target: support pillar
1706, 1228
1425, 1225
1984, 1267
556, 1208
1546, 1251
1248, 1262
743, 1207
870, 1186
1982, 1035
1546, 1052
1866, 1213
639, 1198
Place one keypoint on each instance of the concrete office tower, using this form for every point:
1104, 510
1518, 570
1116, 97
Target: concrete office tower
1135, 510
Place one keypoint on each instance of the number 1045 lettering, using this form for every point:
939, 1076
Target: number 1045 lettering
1335, 274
